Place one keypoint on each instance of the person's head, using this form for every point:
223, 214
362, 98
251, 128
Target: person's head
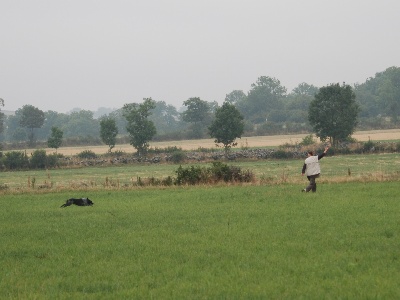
310, 153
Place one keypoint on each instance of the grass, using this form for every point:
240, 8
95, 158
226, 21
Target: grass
230, 242
372, 167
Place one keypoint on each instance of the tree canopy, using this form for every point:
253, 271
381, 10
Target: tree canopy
31, 118
227, 126
198, 112
333, 112
140, 129
55, 140
108, 132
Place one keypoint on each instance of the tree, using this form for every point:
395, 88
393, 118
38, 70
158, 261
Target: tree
55, 140
263, 100
381, 95
198, 113
227, 126
108, 132
1, 116
31, 118
141, 130
333, 113
81, 124
235, 96
305, 89
165, 118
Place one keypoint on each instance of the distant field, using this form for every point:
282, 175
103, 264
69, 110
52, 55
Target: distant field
254, 141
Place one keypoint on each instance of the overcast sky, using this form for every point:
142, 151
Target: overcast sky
62, 54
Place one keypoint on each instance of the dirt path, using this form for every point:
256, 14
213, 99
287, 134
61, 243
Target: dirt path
254, 141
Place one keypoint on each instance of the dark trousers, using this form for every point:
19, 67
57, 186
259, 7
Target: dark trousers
312, 186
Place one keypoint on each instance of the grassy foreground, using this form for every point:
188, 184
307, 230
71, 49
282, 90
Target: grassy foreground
229, 242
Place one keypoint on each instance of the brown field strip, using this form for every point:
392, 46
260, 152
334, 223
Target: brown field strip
253, 141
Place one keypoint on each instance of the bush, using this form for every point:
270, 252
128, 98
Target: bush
52, 160
307, 140
218, 172
368, 146
191, 175
87, 154
177, 156
15, 160
281, 154
38, 159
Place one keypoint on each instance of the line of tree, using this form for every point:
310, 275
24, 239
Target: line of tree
266, 108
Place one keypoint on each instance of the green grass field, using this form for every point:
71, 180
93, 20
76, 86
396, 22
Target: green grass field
222, 242
373, 167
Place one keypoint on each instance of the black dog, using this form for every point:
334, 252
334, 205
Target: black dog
78, 201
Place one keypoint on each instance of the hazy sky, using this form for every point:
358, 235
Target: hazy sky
61, 54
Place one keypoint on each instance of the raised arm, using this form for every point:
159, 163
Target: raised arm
323, 154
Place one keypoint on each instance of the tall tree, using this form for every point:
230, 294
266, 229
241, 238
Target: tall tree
227, 126
1, 116
333, 113
198, 112
81, 124
141, 130
263, 100
31, 118
55, 140
165, 118
235, 96
380, 95
108, 132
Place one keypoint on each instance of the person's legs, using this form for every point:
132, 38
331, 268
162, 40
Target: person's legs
312, 186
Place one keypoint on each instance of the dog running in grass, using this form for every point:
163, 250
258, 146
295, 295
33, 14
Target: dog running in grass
78, 201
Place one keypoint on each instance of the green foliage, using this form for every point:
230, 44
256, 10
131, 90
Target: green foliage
198, 112
141, 130
108, 132
190, 175
264, 97
227, 126
38, 159
87, 154
333, 113
217, 172
368, 146
15, 160
177, 156
307, 140
281, 154
235, 97
31, 118
379, 95
2, 116
55, 140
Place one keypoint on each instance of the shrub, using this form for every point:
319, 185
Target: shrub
307, 140
191, 175
369, 146
281, 154
52, 160
177, 156
38, 159
218, 172
15, 160
88, 154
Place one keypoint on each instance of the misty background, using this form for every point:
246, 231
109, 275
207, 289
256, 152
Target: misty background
59, 55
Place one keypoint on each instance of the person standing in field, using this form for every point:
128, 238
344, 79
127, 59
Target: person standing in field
312, 169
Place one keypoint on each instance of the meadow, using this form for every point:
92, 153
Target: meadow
259, 240
203, 242
362, 168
